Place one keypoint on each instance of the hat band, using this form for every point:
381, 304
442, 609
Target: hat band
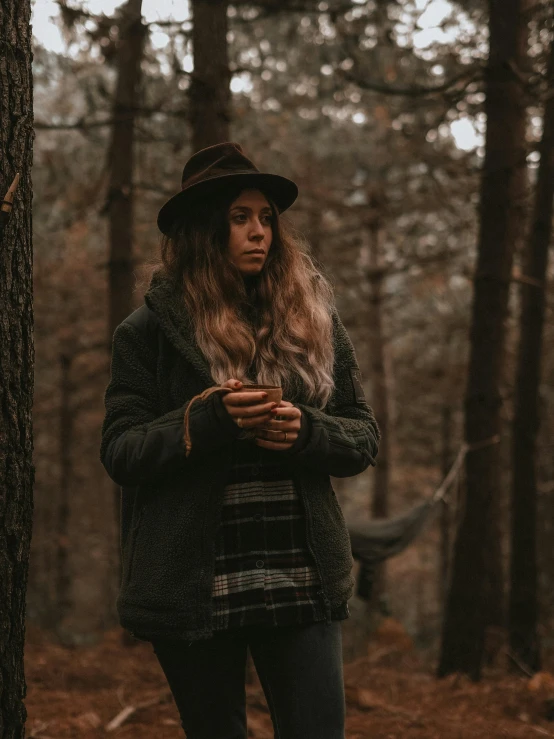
196, 180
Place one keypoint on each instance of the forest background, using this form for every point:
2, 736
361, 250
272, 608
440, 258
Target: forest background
378, 109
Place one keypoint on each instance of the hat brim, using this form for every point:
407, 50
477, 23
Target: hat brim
281, 190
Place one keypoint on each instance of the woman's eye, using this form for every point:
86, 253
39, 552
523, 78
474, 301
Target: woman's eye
241, 218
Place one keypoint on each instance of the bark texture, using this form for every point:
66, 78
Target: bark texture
523, 606
16, 358
468, 604
210, 95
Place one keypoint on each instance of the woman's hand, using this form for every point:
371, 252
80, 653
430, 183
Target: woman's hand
247, 410
271, 435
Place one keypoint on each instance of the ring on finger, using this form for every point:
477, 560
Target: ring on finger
239, 422
276, 431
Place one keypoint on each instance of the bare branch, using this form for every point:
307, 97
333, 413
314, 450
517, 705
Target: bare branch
128, 711
293, 6
71, 16
80, 125
270, 8
178, 25
84, 125
468, 75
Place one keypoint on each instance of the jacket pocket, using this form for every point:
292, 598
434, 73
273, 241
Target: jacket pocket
167, 554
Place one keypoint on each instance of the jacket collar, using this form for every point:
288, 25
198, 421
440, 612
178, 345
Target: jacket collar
164, 298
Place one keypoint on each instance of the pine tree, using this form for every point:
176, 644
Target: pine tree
16, 357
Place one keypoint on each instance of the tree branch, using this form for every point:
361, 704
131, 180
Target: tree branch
171, 24
83, 125
469, 75
293, 6
271, 8
80, 125
71, 15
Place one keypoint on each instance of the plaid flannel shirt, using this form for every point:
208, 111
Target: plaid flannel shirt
264, 572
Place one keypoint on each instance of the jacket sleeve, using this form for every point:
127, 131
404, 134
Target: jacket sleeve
343, 438
138, 444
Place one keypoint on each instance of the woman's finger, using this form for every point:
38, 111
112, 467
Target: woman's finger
233, 383
250, 423
247, 398
274, 425
288, 410
276, 435
275, 446
252, 411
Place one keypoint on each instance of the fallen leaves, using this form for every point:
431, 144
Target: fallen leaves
110, 689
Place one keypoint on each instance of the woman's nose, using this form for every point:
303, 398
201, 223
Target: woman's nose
257, 228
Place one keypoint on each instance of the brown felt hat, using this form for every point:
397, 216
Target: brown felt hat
211, 167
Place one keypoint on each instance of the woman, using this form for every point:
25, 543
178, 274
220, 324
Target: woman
232, 537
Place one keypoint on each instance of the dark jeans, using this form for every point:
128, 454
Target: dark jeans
300, 669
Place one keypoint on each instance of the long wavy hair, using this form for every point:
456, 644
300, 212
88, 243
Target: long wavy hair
278, 324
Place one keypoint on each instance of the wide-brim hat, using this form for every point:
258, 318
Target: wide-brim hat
213, 167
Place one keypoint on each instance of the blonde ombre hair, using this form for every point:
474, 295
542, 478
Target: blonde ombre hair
291, 333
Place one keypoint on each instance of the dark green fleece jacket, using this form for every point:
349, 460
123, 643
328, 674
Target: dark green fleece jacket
171, 504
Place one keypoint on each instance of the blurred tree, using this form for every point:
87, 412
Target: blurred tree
121, 162
375, 215
120, 204
475, 572
444, 544
16, 358
62, 572
523, 604
209, 92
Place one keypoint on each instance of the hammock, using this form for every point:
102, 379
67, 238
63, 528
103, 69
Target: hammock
375, 541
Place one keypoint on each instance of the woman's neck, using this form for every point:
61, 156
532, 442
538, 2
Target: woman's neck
250, 307
250, 284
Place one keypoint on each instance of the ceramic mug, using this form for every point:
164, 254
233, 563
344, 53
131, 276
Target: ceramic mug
274, 395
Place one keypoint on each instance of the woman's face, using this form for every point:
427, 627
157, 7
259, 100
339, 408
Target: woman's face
250, 232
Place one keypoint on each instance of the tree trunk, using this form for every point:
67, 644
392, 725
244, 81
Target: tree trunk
467, 609
209, 93
444, 520
62, 573
523, 606
16, 357
122, 163
121, 194
380, 502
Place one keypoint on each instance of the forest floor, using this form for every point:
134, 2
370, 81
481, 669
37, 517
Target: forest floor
391, 694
